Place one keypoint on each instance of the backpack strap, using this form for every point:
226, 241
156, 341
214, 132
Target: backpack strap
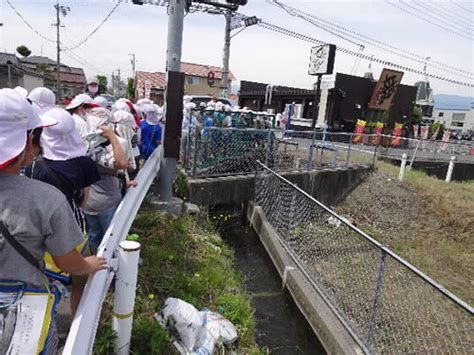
20, 248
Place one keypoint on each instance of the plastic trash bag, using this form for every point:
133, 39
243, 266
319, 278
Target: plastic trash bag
183, 320
197, 333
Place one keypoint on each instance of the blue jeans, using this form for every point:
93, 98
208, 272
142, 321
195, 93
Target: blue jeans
96, 225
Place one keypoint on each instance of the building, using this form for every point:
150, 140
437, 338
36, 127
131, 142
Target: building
341, 104
195, 81
13, 73
424, 97
73, 80
455, 120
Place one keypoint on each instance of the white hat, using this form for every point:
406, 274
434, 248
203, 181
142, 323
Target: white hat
62, 141
124, 118
22, 91
121, 105
151, 112
101, 101
189, 106
92, 80
42, 98
79, 100
142, 102
146, 108
98, 117
202, 104
227, 108
209, 108
187, 99
15, 112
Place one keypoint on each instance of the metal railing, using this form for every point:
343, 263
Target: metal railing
217, 151
81, 336
387, 304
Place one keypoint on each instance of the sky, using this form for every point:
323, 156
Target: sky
257, 54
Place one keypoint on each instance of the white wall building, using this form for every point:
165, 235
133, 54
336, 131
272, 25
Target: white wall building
456, 120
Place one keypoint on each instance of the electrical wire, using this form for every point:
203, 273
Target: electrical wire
448, 13
80, 43
375, 43
428, 20
462, 7
441, 18
27, 23
372, 58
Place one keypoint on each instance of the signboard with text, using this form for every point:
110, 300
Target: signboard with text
147, 89
322, 60
385, 90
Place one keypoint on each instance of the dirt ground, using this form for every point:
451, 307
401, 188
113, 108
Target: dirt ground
426, 221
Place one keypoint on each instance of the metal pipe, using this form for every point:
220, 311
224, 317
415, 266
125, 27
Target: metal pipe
125, 288
402, 167
449, 174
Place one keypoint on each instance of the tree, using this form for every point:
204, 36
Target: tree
23, 51
102, 81
43, 68
130, 89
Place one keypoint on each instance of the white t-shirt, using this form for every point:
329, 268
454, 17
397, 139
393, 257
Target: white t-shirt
81, 125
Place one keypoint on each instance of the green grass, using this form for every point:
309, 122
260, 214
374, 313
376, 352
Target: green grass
184, 258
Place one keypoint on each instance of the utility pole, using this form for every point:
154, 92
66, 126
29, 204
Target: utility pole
226, 57
59, 10
133, 62
173, 64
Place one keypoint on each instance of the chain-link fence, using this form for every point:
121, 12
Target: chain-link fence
387, 304
230, 151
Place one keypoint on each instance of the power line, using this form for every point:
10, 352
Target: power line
462, 7
450, 10
372, 58
27, 23
428, 20
434, 12
370, 41
95, 29
436, 7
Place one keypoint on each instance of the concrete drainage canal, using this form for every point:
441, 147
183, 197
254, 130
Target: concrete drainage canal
280, 326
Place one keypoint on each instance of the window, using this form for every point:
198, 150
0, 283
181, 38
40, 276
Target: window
193, 80
441, 114
457, 124
460, 117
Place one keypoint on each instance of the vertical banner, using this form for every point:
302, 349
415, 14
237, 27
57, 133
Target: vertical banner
378, 131
359, 129
385, 90
415, 131
424, 132
147, 89
397, 132
446, 135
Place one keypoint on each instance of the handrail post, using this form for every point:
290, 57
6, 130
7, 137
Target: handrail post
377, 295
125, 287
402, 167
310, 155
449, 173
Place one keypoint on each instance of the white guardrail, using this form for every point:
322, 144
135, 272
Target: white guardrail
81, 336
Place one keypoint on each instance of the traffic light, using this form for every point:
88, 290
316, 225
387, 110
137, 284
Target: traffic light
137, 2
250, 21
237, 2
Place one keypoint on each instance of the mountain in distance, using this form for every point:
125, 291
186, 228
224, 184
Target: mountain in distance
454, 102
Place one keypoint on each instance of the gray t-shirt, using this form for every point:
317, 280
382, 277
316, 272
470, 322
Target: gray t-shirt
39, 217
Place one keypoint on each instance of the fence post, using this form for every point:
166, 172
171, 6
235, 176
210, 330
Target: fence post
187, 149
402, 167
311, 147
267, 156
375, 304
349, 149
449, 174
125, 286
196, 151
414, 154
292, 214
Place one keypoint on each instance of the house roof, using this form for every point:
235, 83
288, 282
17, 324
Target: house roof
5, 57
158, 80
16, 65
202, 70
37, 59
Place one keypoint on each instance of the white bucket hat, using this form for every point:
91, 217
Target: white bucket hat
98, 117
81, 99
15, 114
151, 112
121, 105
101, 101
22, 91
124, 118
62, 141
42, 98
